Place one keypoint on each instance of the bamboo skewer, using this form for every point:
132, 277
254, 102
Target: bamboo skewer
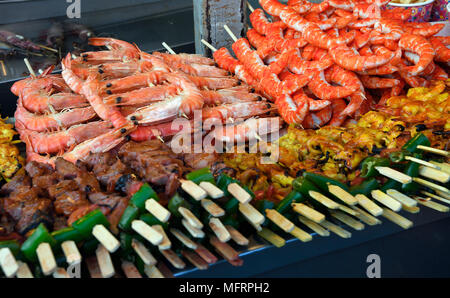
323, 200
152, 272
193, 190
434, 174
183, 238
212, 208
3, 68
230, 33
308, 212
213, 191
412, 210
431, 185
443, 194
386, 200
30, 69
130, 270
237, 236
71, 252
195, 259
442, 166
173, 258
106, 238
161, 213
314, 226
104, 262
46, 258
169, 49
301, 235
250, 7
219, 229
147, 232
396, 218
422, 162
348, 220
432, 204
366, 217
281, 221
165, 244
239, 193
194, 231
272, 237
143, 252
251, 214
431, 195
336, 229
342, 194
47, 48
190, 218
208, 45
23, 271
434, 150
8, 262
394, 174
402, 198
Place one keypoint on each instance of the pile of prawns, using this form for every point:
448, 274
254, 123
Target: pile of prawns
105, 97
317, 62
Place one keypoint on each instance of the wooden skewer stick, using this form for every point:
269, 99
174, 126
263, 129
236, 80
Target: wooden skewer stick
183, 238
369, 205
336, 229
431, 185
347, 210
443, 194
173, 258
230, 33
394, 174
47, 48
190, 217
104, 262
30, 69
157, 210
281, 221
348, 220
434, 174
308, 212
193, 190
46, 258
431, 195
224, 249
23, 271
60, 273
152, 272
397, 218
239, 193
323, 200
212, 208
434, 150
143, 252
342, 194
165, 244
432, 204
366, 217
130, 270
402, 198
443, 166
147, 232
169, 49
194, 231
422, 162
105, 237
8, 262
93, 267
210, 46
272, 237
195, 259
71, 252
412, 210
206, 254
219, 229
386, 200
237, 236
250, 7
213, 191
251, 214
3, 68
314, 226
301, 235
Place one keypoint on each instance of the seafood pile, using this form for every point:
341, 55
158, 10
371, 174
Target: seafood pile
105, 97
322, 63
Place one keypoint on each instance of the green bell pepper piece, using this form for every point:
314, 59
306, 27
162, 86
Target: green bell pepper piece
391, 184
131, 213
365, 187
322, 181
40, 235
89, 246
142, 195
285, 204
303, 186
13, 245
262, 205
176, 202
85, 224
150, 219
224, 180
419, 139
412, 169
368, 166
125, 242
67, 234
200, 175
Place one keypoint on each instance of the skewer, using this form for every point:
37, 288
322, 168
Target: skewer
281, 221
193, 189
239, 193
422, 162
23, 271
47, 48
366, 217
224, 249
402, 198
212, 208
210, 46
394, 174
443, 166
104, 262
161, 213
336, 229
434, 174
314, 226
431, 195
308, 212
301, 235
3, 68
251, 214
431, 185
93, 267
143, 252
169, 49
432, 204
205, 254
219, 229
213, 191
60, 273
173, 258
342, 194
195, 232
152, 272
147, 232
443, 194
130, 270
323, 200
386, 200
8, 262
434, 150
46, 258
105, 237
272, 237
30, 69
412, 210
230, 32
165, 244
396, 218
195, 259
349, 221
71, 252
183, 238
250, 7
237, 236
190, 218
